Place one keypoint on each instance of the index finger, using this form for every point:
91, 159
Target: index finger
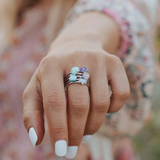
54, 102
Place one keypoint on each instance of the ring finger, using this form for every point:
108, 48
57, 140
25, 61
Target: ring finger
78, 108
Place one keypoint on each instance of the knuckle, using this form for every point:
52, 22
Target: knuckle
97, 58
93, 129
26, 118
114, 109
25, 95
46, 64
43, 65
99, 107
28, 115
56, 99
114, 60
79, 105
101, 104
75, 138
124, 95
58, 129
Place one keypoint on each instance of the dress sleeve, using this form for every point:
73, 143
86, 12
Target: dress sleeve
129, 18
136, 52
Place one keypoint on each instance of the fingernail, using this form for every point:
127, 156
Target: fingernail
61, 148
71, 152
33, 136
86, 138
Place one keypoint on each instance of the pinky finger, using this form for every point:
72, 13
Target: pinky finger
119, 86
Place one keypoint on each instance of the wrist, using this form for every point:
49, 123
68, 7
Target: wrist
82, 38
92, 29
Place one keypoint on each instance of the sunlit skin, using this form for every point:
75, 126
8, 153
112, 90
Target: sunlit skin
91, 42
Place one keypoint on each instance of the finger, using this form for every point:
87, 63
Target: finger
99, 102
33, 111
78, 108
119, 85
54, 101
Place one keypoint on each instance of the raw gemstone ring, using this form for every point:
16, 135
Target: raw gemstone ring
75, 70
78, 76
86, 75
84, 69
72, 78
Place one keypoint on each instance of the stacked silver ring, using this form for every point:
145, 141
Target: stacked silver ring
77, 76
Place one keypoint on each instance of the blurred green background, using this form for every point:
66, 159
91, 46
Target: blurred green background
147, 143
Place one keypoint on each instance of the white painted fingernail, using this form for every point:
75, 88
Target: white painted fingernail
33, 136
71, 152
61, 148
86, 138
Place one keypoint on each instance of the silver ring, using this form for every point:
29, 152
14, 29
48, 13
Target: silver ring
77, 76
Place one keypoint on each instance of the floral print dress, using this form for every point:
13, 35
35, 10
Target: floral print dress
137, 21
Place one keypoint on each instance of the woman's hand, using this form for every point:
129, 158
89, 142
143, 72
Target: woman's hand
84, 111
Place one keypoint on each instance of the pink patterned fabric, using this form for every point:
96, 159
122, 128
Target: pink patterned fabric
137, 54
19, 61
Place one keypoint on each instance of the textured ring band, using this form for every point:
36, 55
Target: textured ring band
74, 83
77, 76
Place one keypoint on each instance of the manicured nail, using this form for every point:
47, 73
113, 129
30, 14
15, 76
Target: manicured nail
71, 152
86, 138
61, 148
33, 136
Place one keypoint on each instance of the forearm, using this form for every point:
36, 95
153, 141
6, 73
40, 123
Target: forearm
8, 16
10, 6
94, 28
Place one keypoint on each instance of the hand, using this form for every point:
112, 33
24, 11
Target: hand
72, 119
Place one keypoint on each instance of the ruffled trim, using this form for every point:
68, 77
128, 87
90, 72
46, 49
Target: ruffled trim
126, 37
